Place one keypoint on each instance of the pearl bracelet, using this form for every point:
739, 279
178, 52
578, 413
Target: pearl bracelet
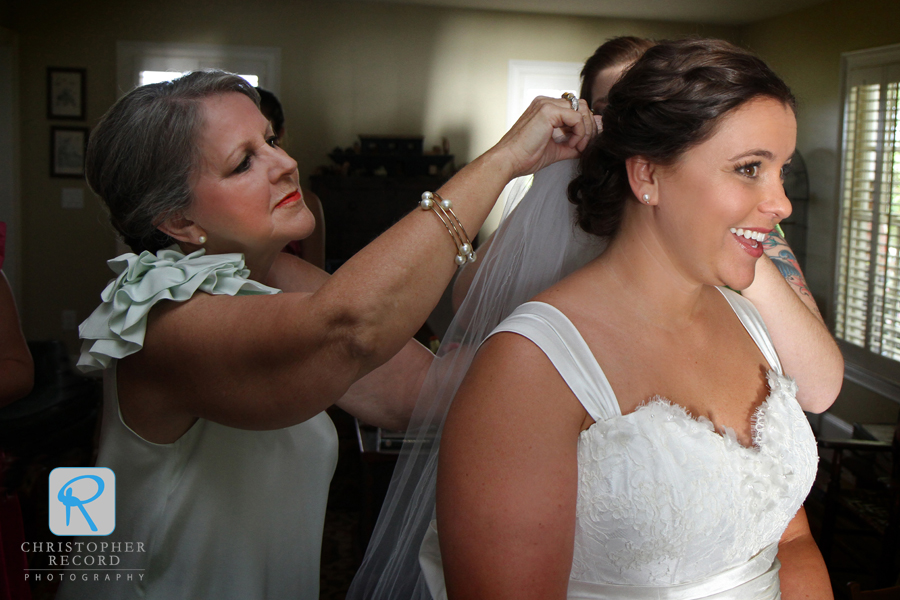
443, 208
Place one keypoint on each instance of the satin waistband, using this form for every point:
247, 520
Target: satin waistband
756, 579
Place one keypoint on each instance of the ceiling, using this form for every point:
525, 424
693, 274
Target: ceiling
725, 12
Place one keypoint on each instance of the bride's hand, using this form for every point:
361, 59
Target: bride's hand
548, 131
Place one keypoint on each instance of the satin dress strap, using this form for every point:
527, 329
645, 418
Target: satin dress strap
551, 331
753, 323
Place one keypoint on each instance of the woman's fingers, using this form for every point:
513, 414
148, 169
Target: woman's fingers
548, 131
577, 134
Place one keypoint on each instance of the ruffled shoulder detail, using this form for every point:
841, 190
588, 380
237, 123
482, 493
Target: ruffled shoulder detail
116, 328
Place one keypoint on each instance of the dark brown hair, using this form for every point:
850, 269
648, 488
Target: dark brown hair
272, 110
142, 156
669, 101
615, 51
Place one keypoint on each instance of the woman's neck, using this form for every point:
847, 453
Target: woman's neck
645, 275
259, 262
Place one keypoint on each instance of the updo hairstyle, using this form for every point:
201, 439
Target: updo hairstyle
271, 109
669, 101
143, 155
613, 52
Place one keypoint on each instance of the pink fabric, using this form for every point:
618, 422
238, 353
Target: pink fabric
12, 560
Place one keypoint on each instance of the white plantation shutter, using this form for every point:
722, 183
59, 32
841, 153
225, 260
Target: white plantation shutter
867, 309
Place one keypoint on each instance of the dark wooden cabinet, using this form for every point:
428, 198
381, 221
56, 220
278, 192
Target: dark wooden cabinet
358, 209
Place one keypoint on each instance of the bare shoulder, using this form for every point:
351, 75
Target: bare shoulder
584, 293
511, 380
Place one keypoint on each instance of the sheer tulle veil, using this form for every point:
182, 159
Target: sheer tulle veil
536, 245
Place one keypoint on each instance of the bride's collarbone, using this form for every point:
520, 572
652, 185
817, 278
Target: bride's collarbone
718, 374
710, 366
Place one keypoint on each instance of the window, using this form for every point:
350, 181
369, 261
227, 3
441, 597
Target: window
143, 62
531, 78
867, 315
147, 77
527, 80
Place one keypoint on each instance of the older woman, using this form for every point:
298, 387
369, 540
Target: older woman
214, 399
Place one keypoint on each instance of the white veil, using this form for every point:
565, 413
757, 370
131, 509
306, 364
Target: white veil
536, 245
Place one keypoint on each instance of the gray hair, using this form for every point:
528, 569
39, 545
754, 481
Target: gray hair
143, 154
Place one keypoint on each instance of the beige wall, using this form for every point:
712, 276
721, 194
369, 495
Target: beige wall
347, 68
805, 48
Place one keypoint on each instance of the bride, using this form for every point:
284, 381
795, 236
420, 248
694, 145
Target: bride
630, 433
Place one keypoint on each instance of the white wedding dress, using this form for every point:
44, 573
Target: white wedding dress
668, 507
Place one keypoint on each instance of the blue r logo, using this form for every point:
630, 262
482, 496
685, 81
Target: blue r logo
65, 496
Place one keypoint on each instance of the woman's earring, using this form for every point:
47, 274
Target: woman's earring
646, 198
202, 239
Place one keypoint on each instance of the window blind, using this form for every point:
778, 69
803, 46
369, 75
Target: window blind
867, 309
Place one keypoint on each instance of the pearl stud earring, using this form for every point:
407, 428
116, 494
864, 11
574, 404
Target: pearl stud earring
202, 239
646, 198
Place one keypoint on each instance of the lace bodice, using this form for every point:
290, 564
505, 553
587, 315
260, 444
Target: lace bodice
663, 498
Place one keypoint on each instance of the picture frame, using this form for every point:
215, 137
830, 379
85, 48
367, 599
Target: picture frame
67, 150
66, 93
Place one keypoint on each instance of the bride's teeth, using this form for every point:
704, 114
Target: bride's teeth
756, 236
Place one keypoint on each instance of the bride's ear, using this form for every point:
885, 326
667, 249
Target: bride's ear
643, 179
182, 229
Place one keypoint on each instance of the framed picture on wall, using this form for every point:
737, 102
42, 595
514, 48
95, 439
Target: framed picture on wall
67, 147
65, 93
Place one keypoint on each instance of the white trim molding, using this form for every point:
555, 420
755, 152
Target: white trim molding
530, 78
871, 381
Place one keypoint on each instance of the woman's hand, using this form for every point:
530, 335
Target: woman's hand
548, 131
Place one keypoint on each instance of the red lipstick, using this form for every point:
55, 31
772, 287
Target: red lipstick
289, 199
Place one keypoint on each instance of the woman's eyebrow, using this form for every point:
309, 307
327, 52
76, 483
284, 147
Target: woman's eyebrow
755, 152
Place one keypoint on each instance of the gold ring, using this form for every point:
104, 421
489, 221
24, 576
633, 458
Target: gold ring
571, 98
